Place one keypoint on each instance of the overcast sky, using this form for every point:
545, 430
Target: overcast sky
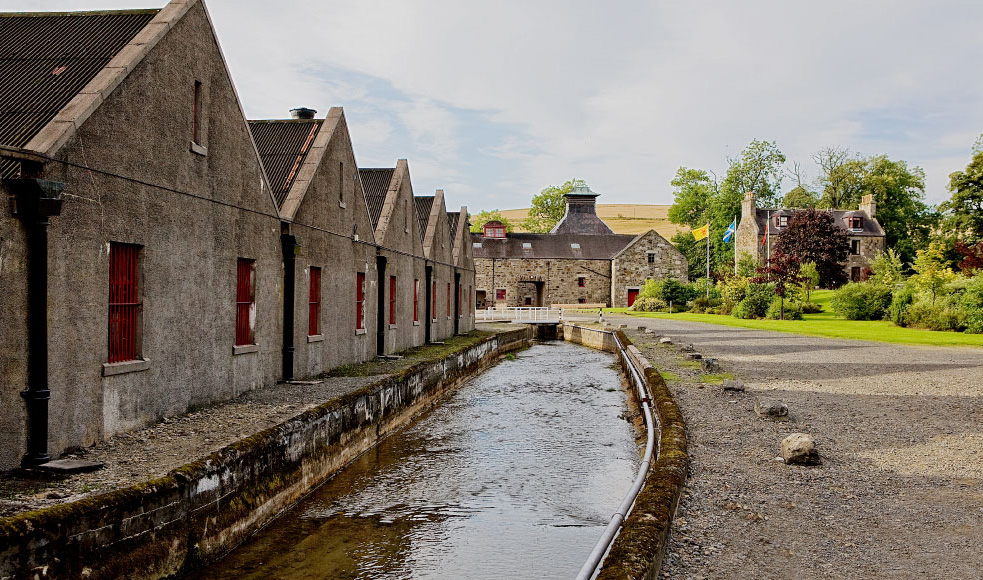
493, 101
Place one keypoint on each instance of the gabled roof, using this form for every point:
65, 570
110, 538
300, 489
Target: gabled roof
871, 227
283, 146
452, 218
375, 182
423, 203
47, 59
554, 246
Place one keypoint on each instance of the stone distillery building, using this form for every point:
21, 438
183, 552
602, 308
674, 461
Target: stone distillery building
581, 261
160, 252
863, 230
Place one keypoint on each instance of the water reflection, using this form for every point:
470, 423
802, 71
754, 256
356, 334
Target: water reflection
515, 476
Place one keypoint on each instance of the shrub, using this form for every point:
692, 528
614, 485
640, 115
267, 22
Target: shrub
944, 314
972, 304
733, 291
793, 310
703, 304
699, 288
901, 301
649, 304
862, 301
811, 308
755, 303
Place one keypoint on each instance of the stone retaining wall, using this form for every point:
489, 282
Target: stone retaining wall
639, 548
200, 511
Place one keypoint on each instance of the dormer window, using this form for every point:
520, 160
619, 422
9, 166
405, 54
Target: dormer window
782, 221
494, 229
575, 246
526, 246
856, 223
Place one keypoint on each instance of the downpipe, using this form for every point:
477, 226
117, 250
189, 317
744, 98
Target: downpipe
593, 563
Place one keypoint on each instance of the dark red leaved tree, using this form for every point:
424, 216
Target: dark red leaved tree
783, 272
972, 257
813, 236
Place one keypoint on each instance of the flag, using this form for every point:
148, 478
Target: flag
730, 231
764, 240
701, 233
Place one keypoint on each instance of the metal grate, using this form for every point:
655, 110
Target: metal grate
360, 300
314, 302
245, 300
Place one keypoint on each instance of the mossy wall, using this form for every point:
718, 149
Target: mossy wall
198, 512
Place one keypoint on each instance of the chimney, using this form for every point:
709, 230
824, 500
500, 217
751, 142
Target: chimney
868, 205
302, 113
580, 216
748, 206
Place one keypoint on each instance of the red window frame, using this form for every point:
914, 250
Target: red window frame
314, 302
448, 300
433, 301
581, 281
196, 115
392, 300
360, 301
416, 301
245, 301
124, 301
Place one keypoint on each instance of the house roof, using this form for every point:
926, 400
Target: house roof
553, 246
871, 228
423, 206
375, 183
47, 58
453, 217
283, 146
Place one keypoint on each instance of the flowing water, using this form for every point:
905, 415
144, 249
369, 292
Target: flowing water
514, 476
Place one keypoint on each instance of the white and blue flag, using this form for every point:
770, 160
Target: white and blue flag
730, 231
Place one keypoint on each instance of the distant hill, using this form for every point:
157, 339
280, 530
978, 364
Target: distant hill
623, 218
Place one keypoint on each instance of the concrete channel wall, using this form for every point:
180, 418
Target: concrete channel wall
639, 548
198, 512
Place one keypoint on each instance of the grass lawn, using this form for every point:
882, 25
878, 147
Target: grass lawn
829, 325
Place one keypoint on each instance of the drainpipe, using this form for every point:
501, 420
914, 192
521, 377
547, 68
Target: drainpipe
288, 243
37, 200
429, 314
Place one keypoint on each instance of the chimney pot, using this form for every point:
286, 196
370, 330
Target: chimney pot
302, 113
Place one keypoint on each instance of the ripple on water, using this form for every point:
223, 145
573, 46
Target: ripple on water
515, 476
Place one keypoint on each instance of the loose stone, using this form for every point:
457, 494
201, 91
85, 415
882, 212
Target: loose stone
733, 385
694, 356
665, 340
799, 449
770, 408
710, 365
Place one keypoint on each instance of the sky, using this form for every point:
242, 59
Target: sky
493, 101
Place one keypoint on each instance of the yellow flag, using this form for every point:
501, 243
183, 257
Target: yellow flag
701, 233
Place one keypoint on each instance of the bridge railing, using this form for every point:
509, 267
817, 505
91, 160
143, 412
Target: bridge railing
520, 313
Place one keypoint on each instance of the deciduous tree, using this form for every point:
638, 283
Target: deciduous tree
482, 217
783, 272
548, 206
964, 210
813, 236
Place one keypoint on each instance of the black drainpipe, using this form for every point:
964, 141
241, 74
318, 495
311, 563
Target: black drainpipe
288, 242
382, 321
37, 200
428, 321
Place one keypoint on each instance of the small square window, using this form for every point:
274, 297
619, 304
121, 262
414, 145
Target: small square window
475, 244
855, 247
526, 246
575, 246
782, 221
651, 257
581, 281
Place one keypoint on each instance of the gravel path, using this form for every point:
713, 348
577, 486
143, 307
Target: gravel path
899, 493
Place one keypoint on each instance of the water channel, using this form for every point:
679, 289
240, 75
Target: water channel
514, 476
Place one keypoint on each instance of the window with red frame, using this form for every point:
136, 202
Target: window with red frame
392, 300
245, 301
360, 301
416, 301
433, 300
581, 281
124, 302
314, 302
448, 300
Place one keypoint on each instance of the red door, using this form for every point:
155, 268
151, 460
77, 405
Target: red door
632, 295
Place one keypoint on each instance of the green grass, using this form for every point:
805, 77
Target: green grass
827, 324
716, 379
669, 376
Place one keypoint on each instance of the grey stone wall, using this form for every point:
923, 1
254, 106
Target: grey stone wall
13, 330
558, 279
631, 267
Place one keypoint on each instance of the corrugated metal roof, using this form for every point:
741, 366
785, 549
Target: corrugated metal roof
376, 184
47, 58
552, 246
452, 218
423, 205
283, 145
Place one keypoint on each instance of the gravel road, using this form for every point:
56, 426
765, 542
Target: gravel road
899, 492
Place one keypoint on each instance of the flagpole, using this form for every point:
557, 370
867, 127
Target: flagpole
735, 245
708, 260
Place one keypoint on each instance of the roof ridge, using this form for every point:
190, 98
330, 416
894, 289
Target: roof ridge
298, 121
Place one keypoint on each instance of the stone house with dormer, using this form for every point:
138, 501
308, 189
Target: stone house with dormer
862, 228
581, 261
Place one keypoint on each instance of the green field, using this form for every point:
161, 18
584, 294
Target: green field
827, 324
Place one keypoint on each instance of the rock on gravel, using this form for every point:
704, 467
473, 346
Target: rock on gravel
710, 366
665, 340
799, 449
734, 385
770, 408
694, 356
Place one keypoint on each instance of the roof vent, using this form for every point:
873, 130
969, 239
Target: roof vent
302, 113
